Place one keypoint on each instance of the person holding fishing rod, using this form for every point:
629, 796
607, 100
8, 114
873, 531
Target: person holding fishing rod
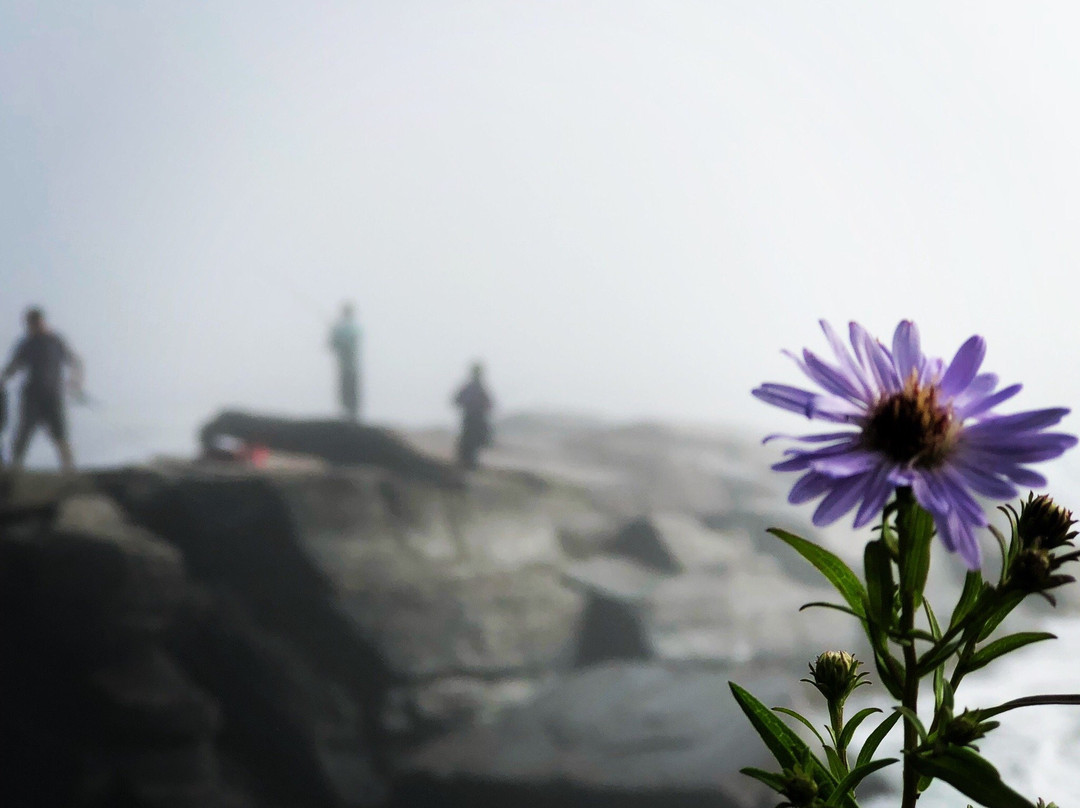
41, 355
345, 343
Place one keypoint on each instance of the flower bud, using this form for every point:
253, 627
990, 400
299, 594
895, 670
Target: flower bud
835, 674
966, 728
1044, 524
799, 788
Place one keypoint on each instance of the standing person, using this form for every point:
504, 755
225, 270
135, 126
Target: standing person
475, 403
345, 343
41, 356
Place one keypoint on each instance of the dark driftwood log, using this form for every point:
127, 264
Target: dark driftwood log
338, 442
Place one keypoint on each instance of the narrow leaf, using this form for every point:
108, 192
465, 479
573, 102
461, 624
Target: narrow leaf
801, 720
986, 655
971, 775
836, 766
936, 656
856, 776
935, 628
823, 605
1007, 604
769, 727
879, 584
866, 754
916, 528
829, 565
913, 719
973, 587
1032, 701
773, 781
852, 725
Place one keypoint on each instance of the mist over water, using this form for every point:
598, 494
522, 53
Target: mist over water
623, 209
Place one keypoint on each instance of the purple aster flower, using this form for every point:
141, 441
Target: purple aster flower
911, 420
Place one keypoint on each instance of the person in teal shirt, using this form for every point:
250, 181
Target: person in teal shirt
345, 343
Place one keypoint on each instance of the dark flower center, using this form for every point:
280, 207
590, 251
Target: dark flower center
910, 427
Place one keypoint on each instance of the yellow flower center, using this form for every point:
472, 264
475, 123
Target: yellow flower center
910, 426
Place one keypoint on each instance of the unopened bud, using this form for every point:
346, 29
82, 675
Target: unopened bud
835, 674
1044, 524
799, 788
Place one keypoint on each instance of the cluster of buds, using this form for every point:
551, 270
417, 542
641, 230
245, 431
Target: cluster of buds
1041, 528
836, 674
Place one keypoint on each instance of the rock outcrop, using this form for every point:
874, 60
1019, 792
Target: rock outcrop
383, 631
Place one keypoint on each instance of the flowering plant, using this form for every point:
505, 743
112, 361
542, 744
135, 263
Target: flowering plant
913, 441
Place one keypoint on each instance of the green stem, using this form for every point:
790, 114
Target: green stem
910, 693
910, 699
836, 718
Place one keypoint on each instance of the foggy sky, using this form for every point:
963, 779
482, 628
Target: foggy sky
624, 208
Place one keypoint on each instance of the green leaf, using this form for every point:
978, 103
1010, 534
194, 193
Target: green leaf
969, 596
773, 781
912, 718
880, 586
849, 729
1032, 701
890, 672
936, 656
984, 656
856, 776
836, 766
820, 604
875, 739
785, 746
935, 628
829, 565
1009, 602
801, 719
971, 775
916, 528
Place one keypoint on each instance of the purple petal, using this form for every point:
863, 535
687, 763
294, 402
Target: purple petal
1025, 477
977, 406
982, 482
785, 397
907, 354
857, 461
853, 371
845, 493
964, 366
1019, 422
830, 378
809, 486
873, 356
818, 438
958, 537
878, 489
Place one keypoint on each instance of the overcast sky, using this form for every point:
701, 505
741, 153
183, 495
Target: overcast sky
624, 208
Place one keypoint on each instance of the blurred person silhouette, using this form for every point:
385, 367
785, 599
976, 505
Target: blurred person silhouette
475, 403
41, 356
3, 421
345, 343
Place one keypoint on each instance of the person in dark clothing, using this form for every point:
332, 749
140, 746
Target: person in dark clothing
345, 343
41, 355
475, 403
